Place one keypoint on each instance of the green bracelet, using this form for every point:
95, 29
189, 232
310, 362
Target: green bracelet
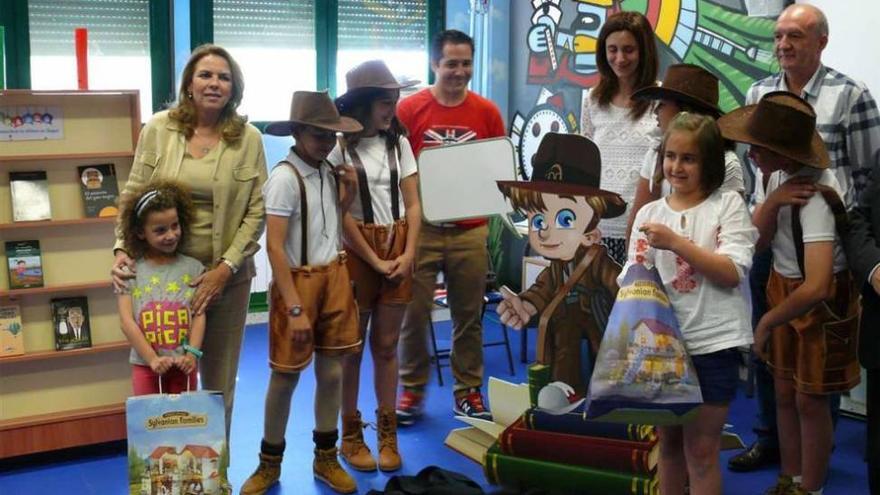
192, 350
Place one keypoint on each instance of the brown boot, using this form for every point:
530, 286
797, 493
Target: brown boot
353, 449
266, 475
327, 469
389, 458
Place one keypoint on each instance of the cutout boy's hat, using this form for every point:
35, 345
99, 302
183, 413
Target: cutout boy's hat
314, 108
567, 164
781, 122
687, 83
368, 76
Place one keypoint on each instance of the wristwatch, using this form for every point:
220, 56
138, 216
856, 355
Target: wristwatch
295, 310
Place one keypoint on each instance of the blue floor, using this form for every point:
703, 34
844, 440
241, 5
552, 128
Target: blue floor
421, 445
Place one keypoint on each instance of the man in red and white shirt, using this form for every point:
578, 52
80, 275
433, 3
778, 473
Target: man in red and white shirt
447, 113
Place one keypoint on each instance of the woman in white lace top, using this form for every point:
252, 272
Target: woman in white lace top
623, 129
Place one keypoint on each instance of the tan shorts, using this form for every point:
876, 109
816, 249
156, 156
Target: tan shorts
818, 349
328, 302
371, 287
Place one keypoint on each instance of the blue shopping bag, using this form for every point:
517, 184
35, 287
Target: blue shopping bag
643, 374
177, 444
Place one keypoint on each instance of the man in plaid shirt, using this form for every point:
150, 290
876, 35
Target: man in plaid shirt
849, 123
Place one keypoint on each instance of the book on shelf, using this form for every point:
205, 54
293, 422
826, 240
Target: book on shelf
602, 453
470, 442
100, 190
521, 473
11, 337
70, 320
30, 196
25, 264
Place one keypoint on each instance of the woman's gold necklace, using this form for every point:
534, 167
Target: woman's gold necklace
205, 149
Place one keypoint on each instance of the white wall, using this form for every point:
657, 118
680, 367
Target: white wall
854, 37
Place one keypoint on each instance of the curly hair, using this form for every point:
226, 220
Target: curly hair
169, 194
360, 108
231, 124
646, 72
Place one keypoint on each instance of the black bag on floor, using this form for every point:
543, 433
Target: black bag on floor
431, 481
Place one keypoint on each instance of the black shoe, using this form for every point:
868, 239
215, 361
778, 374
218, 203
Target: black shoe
757, 456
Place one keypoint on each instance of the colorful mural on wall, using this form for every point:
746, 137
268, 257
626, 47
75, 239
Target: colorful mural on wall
560, 46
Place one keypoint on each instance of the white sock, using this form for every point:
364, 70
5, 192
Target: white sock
820, 491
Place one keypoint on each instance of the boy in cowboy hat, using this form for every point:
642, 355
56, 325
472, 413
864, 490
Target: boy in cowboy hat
812, 326
312, 307
575, 293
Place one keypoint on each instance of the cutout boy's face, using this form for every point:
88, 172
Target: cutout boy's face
557, 232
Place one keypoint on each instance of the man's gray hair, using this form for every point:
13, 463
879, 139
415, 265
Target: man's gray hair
821, 25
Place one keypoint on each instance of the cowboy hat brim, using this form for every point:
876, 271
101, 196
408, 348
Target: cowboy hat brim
615, 207
285, 127
734, 126
353, 94
663, 93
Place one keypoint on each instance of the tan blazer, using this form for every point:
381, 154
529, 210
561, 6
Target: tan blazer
239, 174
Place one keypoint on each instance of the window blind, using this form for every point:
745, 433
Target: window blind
116, 27
383, 24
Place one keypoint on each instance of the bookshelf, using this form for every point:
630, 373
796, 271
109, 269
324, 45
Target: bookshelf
58, 399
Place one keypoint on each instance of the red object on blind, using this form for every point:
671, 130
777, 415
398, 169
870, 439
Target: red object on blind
81, 35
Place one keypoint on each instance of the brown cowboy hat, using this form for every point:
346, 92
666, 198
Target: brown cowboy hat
567, 164
369, 76
687, 83
781, 122
314, 108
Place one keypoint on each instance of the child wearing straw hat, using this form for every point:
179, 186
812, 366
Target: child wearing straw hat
381, 232
312, 307
810, 334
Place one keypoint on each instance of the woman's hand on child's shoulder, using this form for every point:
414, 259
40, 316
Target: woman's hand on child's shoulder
660, 236
161, 364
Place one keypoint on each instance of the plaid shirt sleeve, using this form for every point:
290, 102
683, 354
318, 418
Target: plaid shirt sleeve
863, 141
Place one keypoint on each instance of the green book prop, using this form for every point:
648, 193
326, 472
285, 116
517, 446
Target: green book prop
520, 473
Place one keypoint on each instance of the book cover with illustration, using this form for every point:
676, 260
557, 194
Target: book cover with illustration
30, 196
25, 264
100, 190
176, 443
11, 337
70, 320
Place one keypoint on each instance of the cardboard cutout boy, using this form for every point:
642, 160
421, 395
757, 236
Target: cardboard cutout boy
575, 293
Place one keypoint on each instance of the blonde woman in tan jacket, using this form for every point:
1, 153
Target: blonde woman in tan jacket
204, 143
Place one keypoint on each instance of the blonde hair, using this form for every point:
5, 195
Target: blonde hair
231, 124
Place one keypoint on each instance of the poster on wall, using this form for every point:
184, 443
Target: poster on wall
30, 123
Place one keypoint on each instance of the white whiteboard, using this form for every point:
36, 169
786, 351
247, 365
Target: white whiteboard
457, 182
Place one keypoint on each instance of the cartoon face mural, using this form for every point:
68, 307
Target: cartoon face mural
561, 40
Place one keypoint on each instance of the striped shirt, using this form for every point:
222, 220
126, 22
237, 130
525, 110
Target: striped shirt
846, 118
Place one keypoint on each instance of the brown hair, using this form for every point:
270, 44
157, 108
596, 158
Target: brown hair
531, 201
646, 72
709, 142
184, 112
360, 108
170, 194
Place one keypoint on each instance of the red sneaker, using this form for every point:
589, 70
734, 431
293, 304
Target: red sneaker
410, 405
471, 404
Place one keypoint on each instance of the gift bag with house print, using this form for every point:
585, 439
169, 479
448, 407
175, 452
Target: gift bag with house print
643, 374
177, 444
